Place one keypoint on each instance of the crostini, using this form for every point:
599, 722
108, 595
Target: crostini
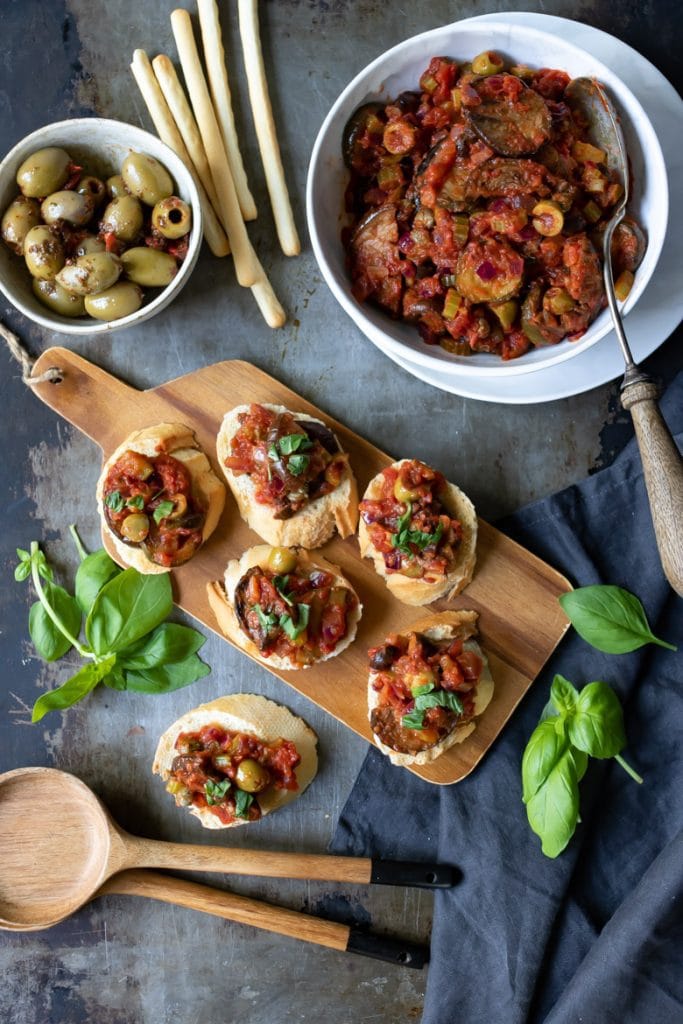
420, 531
234, 760
285, 608
159, 498
426, 686
291, 480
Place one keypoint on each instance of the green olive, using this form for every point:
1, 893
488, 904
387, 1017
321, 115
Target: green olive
91, 186
73, 207
149, 267
44, 172
172, 217
403, 493
116, 187
43, 252
135, 527
90, 274
121, 299
123, 217
252, 776
58, 299
487, 63
282, 560
146, 178
21, 215
89, 244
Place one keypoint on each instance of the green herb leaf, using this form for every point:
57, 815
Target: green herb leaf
413, 720
163, 509
48, 640
215, 792
598, 725
280, 583
609, 618
22, 571
73, 690
266, 622
23, 555
404, 521
114, 501
128, 607
168, 643
297, 464
273, 453
553, 810
417, 691
92, 574
243, 802
295, 629
116, 679
291, 443
166, 678
441, 698
563, 694
137, 501
542, 753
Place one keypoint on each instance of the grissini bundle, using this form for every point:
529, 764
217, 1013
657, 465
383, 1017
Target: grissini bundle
426, 686
236, 759
291, 480
420, 531
284, 607
159, 498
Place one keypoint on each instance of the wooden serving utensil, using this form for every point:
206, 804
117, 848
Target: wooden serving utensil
50, 871
662, 461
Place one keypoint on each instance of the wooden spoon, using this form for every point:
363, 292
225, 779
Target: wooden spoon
59, 845
662, 462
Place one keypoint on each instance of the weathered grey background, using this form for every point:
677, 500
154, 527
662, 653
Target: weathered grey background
118, 962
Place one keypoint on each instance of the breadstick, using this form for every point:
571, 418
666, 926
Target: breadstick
184, 118
267, 301
247, 267
265, 128
167, 131
214, 58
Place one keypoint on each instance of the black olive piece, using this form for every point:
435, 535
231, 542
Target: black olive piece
384, 657
319, 432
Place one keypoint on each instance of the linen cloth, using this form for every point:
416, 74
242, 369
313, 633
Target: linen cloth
596, 935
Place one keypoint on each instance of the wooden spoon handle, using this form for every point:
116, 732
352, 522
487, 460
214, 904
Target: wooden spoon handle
663, 469
244, 910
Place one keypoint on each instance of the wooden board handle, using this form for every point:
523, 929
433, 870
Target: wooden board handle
663, 469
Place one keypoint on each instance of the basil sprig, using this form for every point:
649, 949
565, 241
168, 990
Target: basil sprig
610, 619
128, 644
404, 536
575, 725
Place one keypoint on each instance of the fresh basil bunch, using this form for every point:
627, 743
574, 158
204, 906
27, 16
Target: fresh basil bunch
128, 645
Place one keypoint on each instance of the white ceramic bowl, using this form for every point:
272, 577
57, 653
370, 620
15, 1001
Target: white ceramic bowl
399, 69
99, 145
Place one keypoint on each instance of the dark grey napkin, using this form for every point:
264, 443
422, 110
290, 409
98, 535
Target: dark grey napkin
595, 936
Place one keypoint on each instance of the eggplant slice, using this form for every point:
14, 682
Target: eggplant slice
511, 125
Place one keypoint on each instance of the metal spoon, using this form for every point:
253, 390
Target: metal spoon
662, 462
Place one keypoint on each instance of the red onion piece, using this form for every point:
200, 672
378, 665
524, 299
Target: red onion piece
486, 271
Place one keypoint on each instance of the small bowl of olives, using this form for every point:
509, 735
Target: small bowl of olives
101, 225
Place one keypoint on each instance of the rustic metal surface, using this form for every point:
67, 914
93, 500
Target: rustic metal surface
122, 963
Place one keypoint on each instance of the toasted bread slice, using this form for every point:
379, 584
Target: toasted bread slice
309, 528
180, 441
417, 591
222, 600
257, 716
460, 625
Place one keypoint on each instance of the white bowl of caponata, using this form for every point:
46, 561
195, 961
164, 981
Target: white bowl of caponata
101, 225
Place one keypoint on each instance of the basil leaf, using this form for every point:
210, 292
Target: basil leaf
294, 443
609, 618
541, 755
442, 698
413, 720
48, 640
94, 571
73, 690
417, 691
404, 521
168, 643
165, 678
22, 571
116, 679
216, 791
114, 501
273, 453
163, 509
598, 725
280, 583
292, 629
580, 759
243, 802
23, 555
127, 608
563, 694
266, 622
137, 502
553, 810
298, 464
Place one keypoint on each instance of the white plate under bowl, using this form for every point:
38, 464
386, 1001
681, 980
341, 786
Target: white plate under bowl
661, 307
100, 146
399, 69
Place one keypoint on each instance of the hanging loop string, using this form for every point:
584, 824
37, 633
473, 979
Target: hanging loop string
52, 374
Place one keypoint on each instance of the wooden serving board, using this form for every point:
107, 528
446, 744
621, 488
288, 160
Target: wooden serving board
515, 593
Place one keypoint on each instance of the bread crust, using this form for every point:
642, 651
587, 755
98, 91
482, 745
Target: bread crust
249, 713
313, 525
417, 592
222, 601
180, 441
461, 625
